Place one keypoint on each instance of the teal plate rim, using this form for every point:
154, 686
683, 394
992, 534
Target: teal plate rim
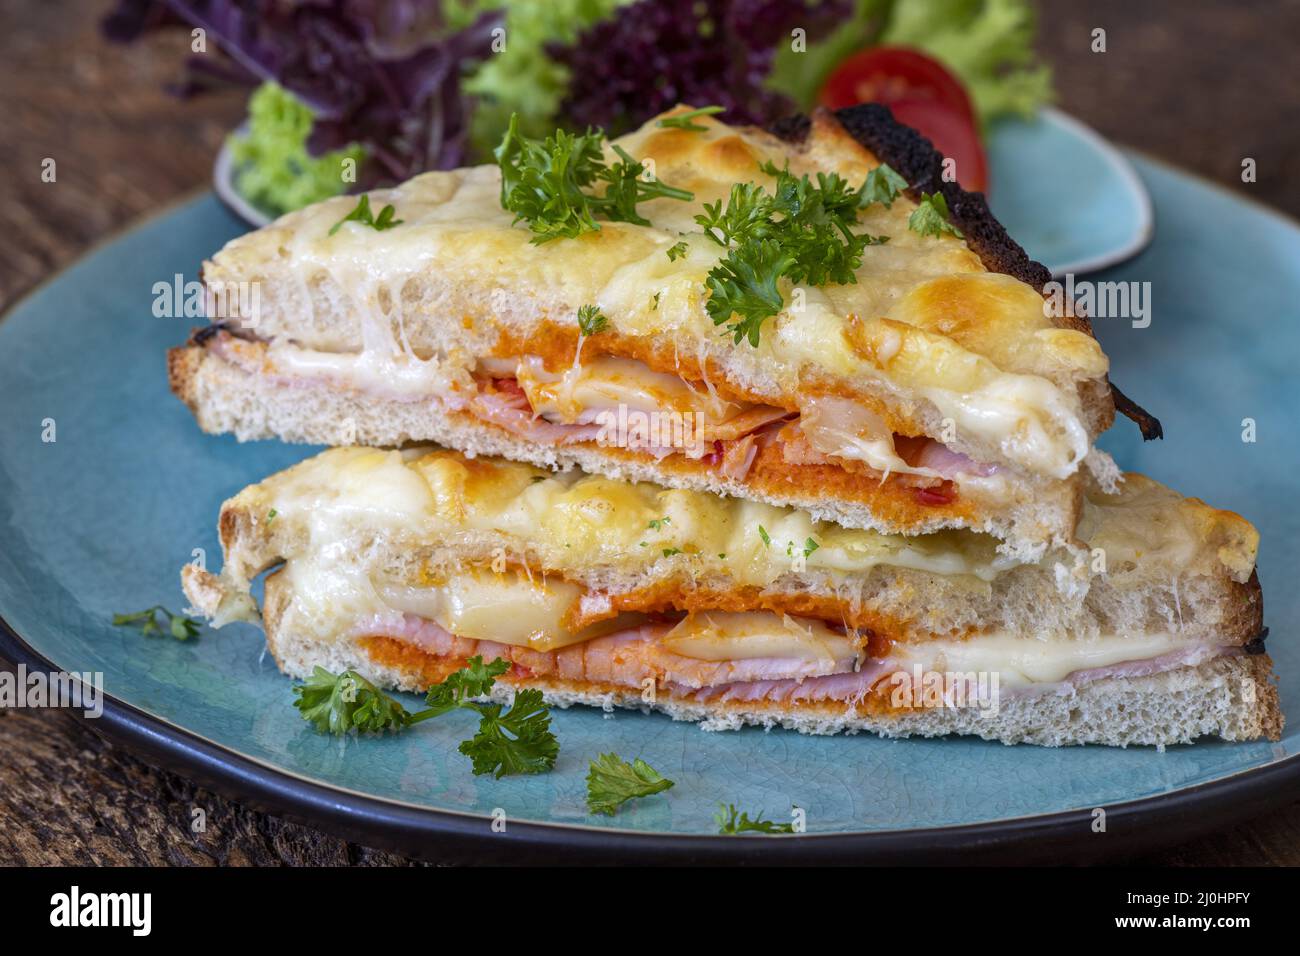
449, 836
445, 835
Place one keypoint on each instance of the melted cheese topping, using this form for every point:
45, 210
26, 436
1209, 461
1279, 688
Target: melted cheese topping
579, 521
924, 314
1146, 532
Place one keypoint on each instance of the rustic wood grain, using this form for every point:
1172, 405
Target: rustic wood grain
1200, 84
72, 798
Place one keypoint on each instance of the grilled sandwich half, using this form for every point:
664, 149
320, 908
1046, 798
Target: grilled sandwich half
934, 392
404, 564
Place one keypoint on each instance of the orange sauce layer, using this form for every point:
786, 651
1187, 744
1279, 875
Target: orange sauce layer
431, 669
556, 345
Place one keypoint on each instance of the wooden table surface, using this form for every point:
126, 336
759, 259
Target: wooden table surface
1198, 83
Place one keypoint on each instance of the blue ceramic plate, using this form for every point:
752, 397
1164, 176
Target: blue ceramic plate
1100, 219
1069, 197
100, 520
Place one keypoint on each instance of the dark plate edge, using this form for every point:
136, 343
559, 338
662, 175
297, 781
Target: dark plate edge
1132, 827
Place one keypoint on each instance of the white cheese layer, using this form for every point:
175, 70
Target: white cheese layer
1021, 661
372, 371
750, 635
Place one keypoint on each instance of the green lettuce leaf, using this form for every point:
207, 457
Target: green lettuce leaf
272, 168
522, 78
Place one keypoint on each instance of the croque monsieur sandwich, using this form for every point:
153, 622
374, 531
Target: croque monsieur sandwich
826, 323
792, 439
402, 565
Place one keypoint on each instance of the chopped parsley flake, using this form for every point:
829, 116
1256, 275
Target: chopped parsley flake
683, 120
930, 218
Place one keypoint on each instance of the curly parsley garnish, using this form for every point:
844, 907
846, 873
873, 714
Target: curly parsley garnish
801, 232
178, 625
591, 320
677, 250
930, 218
509, 741
730, 823
883, 186
337, 703
549, 183
683, 120
612, 781
744, 285
363, 215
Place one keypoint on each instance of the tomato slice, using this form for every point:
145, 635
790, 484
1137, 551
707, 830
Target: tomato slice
951, 135
886, 74
923, 94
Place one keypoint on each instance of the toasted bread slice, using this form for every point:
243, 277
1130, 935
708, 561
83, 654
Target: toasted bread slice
936, 391
403, 565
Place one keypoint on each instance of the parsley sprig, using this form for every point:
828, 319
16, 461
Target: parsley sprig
882, 185
361, 213
801, 231
337, 703
178, 625
510, 740
731, 823
550, 183
517, 740
684, 120
930, 218
591, 320
612, 781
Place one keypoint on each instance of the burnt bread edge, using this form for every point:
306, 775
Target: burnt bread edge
914, 157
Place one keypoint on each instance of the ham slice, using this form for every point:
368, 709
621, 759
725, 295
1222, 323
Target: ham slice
835, 430
629, 657
943, 461
1184, 657
738, 457
508, 408
849, 687
625, 658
